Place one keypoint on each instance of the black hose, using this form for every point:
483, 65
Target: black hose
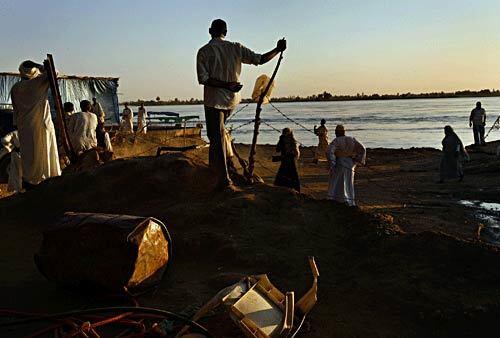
163, 313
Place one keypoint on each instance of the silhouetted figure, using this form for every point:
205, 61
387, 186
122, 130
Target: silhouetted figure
453, 155
287, 175
477, 121
322, 147
218, 66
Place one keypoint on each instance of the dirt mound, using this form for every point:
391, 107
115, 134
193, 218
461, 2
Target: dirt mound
375, 280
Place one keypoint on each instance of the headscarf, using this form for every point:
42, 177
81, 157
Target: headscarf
28, 71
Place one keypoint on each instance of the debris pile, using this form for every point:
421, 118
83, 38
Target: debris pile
375, 280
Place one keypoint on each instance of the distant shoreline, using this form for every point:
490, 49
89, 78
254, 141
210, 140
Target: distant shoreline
327, 97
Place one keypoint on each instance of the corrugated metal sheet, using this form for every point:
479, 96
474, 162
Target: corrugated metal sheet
74, 89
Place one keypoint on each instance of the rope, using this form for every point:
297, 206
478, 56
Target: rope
290, 119
240, 126
234, 114
496, 125
128, 310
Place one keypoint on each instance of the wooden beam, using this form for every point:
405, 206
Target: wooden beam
50, 69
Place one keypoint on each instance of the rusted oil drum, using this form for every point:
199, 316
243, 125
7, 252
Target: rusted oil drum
109, 252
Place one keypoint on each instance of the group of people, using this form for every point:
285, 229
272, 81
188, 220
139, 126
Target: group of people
343, 154
127, 124
218, 64
35, 155
86, 128
454, 152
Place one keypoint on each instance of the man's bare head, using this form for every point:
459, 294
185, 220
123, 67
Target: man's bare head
218, 28
68, 107
85, 106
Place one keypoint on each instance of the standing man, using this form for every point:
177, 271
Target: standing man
477, 121
98, 111
218, 66
142, 114
37, 136
322, 134
127, 124
344, 154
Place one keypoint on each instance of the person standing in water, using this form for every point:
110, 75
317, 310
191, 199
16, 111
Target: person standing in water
322, 148
453, 155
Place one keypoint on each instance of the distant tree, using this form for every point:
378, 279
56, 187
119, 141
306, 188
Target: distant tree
158, 99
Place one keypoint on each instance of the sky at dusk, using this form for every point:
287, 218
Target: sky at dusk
344, 47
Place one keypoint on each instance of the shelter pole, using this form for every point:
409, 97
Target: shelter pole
56, 94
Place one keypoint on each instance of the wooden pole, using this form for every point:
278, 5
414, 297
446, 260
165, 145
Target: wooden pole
251, 158
56, 95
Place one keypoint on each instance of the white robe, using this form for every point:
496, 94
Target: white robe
127, 125
344, 153
141, 121
37, 137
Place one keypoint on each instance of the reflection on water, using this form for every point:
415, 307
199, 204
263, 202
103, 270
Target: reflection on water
390, 124
489, 214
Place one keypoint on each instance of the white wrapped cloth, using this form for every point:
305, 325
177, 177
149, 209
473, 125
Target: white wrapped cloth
344, 153
142, 114
37, 137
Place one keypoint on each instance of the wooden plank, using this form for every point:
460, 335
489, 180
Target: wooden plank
61, 121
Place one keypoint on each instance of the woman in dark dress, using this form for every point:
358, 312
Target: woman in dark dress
287, 175
453, 155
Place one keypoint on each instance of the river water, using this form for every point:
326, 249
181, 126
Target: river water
390, 124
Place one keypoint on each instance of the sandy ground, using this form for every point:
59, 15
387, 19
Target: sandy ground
430, 279
402, 183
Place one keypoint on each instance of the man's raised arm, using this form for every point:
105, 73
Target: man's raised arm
280, 47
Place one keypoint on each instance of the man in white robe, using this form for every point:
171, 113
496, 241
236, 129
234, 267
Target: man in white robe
127, 125
142, 114
37, 137
82, 129
344, 154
